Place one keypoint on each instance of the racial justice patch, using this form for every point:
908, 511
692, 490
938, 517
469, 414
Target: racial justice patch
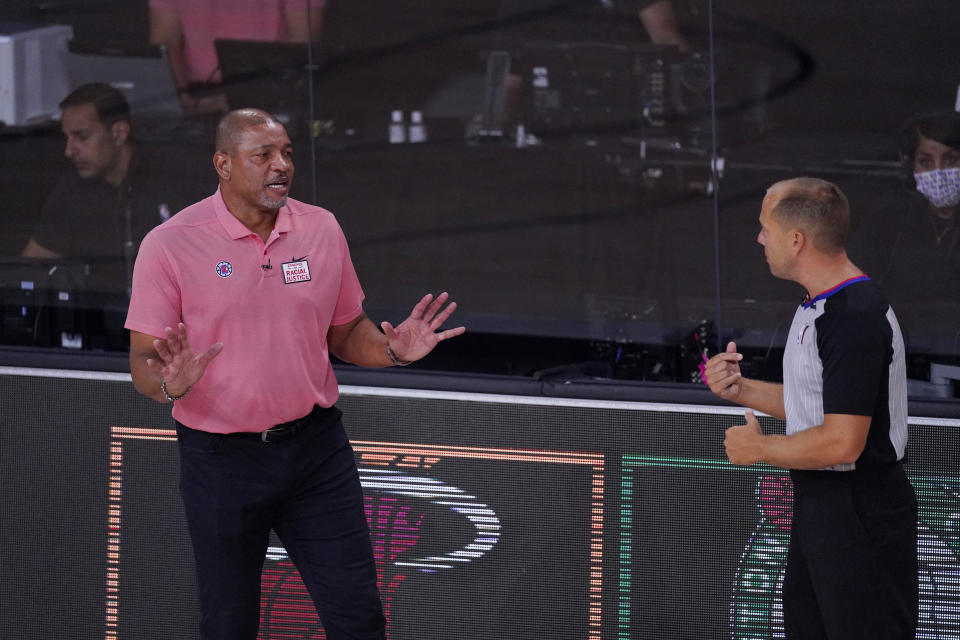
296, 271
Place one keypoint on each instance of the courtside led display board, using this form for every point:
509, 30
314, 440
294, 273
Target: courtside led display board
491, 516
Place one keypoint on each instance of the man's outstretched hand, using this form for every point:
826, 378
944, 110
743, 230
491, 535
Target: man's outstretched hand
416, 336
179, 365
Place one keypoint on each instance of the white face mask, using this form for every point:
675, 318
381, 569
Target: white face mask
940, 186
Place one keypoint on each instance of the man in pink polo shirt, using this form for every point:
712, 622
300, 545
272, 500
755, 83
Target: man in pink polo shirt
265, 287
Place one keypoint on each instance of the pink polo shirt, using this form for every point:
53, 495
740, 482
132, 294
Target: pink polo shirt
204, 268
203, 21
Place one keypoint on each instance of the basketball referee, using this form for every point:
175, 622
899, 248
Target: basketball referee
852, 564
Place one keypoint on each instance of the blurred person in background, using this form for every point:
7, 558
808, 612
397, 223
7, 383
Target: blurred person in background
930, 149
104, 205
910, 244
187, 28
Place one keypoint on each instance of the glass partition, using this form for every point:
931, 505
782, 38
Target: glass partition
584, 177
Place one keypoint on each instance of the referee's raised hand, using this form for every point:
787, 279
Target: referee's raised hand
722, 373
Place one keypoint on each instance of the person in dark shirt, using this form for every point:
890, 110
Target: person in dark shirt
930, 147
911, 243
102, 208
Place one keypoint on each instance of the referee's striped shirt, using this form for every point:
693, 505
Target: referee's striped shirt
845, 355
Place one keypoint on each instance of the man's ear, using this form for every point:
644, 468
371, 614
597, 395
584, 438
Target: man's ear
799, 240
120, 131
221, 162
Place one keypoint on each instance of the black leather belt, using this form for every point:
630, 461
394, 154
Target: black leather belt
286, 430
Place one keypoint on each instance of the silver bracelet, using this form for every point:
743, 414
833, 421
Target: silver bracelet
395, 360
166, 394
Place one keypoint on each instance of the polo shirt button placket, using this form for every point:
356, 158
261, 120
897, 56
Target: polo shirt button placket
266, 267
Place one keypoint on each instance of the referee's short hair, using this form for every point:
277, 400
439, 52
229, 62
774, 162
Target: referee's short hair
816, 207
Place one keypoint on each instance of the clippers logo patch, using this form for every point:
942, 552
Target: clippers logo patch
224, 269
296, 271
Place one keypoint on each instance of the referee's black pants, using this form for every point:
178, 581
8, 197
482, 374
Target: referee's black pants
235, 488
852, 565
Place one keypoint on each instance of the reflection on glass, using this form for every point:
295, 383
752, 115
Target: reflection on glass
573, 168
188, 29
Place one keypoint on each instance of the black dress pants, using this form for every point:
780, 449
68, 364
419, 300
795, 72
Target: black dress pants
236, 488
852, 565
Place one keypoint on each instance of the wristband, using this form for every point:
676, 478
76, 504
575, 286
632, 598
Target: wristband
166, 394
395, 360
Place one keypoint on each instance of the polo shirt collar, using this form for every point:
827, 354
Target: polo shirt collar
236, 229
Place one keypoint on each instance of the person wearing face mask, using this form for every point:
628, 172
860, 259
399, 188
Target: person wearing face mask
917, 241
930, 146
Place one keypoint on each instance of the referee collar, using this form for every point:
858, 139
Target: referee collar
809, 302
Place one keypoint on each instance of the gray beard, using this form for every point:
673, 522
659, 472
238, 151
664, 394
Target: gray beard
273, 203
